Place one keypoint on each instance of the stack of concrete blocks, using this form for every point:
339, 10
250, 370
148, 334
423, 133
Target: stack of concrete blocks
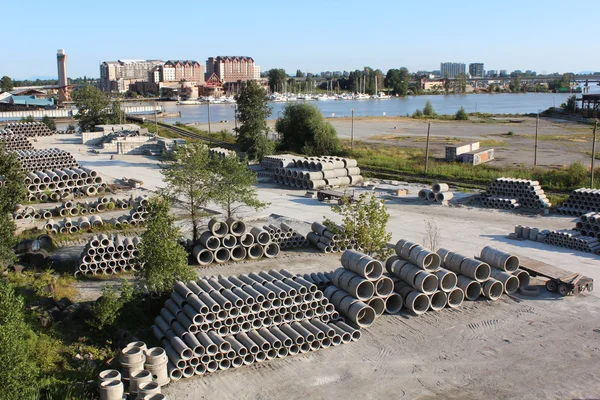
11, 141
477, 157
439, 192
420, 280
47, 159
581, 201
359, 290
226, 322
454, 151
285, 236
73, 209
571, 239
59, 183
30, 129
589, 225
108, 255
330, 239
511, 193
316, 172
228, 241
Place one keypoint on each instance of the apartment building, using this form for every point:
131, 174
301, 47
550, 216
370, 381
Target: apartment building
476, 70
452, 69
232, 68
120, 75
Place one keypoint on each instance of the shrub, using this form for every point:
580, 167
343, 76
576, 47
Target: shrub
461, 114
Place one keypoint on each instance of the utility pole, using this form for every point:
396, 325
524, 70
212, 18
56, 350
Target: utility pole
427, 147
352, 131
156, 118
535, 147
594, 151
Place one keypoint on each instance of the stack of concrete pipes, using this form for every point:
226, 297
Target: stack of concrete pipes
317, 173
279, 161
62, 183
571, 239
47, 159
581, 201
72, 209
107, 255
439, 193
73, 225
228, 241
285, 236
360, 291
139, 213
589, 225
14, 142
330, 240
30, 129
503, 264
220, 152
511, 193
226, 322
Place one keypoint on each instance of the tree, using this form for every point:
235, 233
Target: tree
398, 80
6, 84
277, 79
164, 260
461, 83
94, 108
432, 239
570, 106
252, 113
461, 114
299, 74
515, 84
304, 130
188, 177
428, 110
49, 122
365, 221
12, 192
233, 185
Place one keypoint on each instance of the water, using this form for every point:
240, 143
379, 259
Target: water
505, 103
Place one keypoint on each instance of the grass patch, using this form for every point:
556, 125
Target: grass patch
577, 138
491, 143
417, 139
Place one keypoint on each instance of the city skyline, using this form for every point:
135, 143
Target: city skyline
324, 41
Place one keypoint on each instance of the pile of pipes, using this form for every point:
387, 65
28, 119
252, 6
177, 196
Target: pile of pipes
56, 184
226, 322
316, 172
30, 129
107, 255
139, 213
219, 152
279, 161
14, 142
360, 292
73, 209
589, 225
330, 239
581, 201
143, 371
228, 241
47, 159
439, 193
511, 193
285, 236
571, 239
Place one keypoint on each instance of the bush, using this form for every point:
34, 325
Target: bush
577, 175
107, 308
461, 114
428, 109
49, 122
417, 114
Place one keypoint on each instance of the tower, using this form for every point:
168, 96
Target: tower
63, 89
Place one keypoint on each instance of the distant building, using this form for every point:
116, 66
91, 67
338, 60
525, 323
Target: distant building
178, 70
503, 73
120, 75
452, 69
476, 70
492, 73
231, 68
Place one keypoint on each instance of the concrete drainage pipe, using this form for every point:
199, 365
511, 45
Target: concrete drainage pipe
255, 251
415, 301
377, 304
109, 375
236, 227
393, 303
438, 300
423, 194
228, 241
246, 240
238, 253
111, 390
261, 236
440, 187
492, 289
222, 255
358, 312
209, 241
475, 269
202, 255
453, 261
444, 196
353, 284
272, 250
138, 378
403, 248
446, 280
523, 277
147, 388
217, 228
510, 282
500, 259
455, 297
418, 279
424, 258
431, 196
471, 288
362, 265
384, 286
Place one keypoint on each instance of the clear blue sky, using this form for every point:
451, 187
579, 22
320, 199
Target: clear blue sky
311, 35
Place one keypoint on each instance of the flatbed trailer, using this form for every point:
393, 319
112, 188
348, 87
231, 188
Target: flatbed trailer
324, 195
560, 281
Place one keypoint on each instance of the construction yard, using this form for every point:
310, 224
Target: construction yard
545, 346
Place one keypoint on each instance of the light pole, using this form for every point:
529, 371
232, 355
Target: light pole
594, 151
235, 118
352, 131
535, 147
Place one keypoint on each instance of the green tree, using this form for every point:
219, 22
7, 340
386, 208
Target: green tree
398, 80
365, 221
94, 108
234, 185
164, 260
299, 74
189, 180
564, 82
49, 122
515, 84
570, 106
277, 79
12, 192
6, 84
461, 114
304, 130
252, 113
428, 110
461, 83
107, 309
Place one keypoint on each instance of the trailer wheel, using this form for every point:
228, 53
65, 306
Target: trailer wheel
563, 290
551, 285
320, 196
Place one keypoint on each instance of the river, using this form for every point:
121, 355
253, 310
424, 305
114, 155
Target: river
502, 103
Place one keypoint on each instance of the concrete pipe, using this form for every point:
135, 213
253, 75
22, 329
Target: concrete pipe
95, 220
221, 255
510, 282
228, 241
318, 228
475, 269
389, 262
354, 284
471, 288
209, 241
361, 264
255, 251
109, 375
137, 378
453, 261
438, 300
261, 236
424, 258
424, 193
131, 355
246, 240
492, 289
236, 227
210, 348
238, 253
418, 279
416, 302
149, 388
271, 250
377, 304
285, 340
202, 255
218, 228
455, 297
384, 286
446, 280
393, 303
403, 248
444, 196
359, 313
111, 390
440, 187
523, 277
345, 336
500, 259
356, 334
431, 196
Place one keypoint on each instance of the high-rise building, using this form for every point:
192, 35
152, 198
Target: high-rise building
178, 70
63, 90
231, 68
119, 75
476, 70
452, 69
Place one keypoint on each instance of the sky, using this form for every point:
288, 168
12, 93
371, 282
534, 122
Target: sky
314, 36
